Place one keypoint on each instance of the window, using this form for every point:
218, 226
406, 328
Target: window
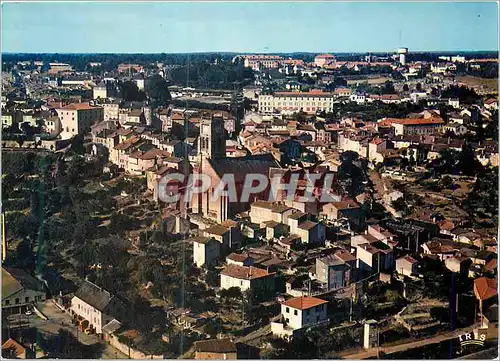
295, 312
79, 306
7, 302
17, 301
288, 310
26, 299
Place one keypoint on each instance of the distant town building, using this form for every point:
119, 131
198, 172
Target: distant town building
323, 59
76, 118
293, 102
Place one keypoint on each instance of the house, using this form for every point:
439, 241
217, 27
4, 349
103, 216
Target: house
491, 104
333, 271
19, 291
411, 126
407, 266
486, 291
483, 257
311, 232
263, 211
375, 148
374, 257
76, 118
96, 305
346, 208
323, 59
100, 91
300, 313
215, 349
490, 321
454, 102
458, 265
227, 236
455, 128
11, 349
240, 259
206, 250
246, 278
439, 249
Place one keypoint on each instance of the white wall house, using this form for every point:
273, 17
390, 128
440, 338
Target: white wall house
300, 313
96, 305
246, 278
205, 250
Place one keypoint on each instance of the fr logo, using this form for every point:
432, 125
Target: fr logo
470, 339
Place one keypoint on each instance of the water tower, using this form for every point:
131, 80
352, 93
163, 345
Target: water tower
402, 55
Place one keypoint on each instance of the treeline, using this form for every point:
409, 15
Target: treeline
213, 76
80, 61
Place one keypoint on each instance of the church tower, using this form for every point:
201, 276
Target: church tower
212, 139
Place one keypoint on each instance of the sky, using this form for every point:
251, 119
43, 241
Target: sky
267, 27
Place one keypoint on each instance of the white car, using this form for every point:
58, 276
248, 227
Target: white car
29, 313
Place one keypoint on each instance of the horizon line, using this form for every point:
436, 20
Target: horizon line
248, 52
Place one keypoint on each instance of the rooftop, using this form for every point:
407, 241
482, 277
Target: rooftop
244, 272
304, 302
215, 346
94, 295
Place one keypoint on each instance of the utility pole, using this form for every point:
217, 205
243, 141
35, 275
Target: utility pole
350, 310
378, 342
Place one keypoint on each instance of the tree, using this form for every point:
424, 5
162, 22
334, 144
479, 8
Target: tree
65, 345
388, 88
130, 92
157, 90
446, 181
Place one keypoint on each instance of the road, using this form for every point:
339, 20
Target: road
58, 319
388, 349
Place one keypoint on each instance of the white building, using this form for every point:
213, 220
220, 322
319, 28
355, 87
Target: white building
77, 118
95, 305
205, 250
454, 102
293, 102
358, 98
415, 126
300, 313
417, 96
407, 266
111, 110
246, 278
455, 128
323, 59
100, 91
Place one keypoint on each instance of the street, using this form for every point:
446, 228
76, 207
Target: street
58, 319
388, 348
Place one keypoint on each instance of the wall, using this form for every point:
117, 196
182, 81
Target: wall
132, 353
88, 312
228, 282
215, 356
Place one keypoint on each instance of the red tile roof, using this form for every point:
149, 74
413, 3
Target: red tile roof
304, 302
79, 106
485, 288
12, 344
244, 272
415, 121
